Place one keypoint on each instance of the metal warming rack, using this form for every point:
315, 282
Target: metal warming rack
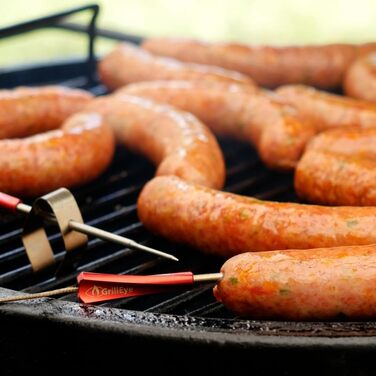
175, 330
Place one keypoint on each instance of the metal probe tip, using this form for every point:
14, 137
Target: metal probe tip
102, 234
105, 235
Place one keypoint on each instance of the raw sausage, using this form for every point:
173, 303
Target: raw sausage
72, 155
326, 110
339, 168
321, 66
25, 111
226, 224
128, 63
360, 79
174, 140
276, 130
315, 284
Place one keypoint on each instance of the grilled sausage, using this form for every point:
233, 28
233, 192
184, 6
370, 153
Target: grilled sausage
25, 111
72, 155
176, 141
350, 142
326, 110
320, 66
226, 224
314, 284
360, 79
339, 168
276, 130
128, 63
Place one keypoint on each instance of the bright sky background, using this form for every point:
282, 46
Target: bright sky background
252, 21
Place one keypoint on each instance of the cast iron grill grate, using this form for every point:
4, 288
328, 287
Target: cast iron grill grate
110, 203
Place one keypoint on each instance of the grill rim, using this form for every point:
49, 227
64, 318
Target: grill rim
122, 321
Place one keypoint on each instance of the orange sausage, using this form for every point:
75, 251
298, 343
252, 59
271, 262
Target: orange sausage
320, 66
176, 141
339, 168
315, 284
128, 63
226, 224
72, 155
326, 110
276, 130
350, 142
25, 111
360, 79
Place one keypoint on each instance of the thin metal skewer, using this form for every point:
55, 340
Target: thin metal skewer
211, 277
102, 234
198, 278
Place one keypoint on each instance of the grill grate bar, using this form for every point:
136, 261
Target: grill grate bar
169, 305
22, 272
206, 310
122, 254
275, 192
247, 183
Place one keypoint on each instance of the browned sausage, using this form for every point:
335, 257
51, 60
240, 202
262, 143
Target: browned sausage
226, 224
339, 168
72, 155
276, 130
128, 63
326, 110
320, 66
360, 79
315, 284
351, 142
176, 141
25, 111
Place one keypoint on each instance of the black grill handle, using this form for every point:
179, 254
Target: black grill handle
55, 20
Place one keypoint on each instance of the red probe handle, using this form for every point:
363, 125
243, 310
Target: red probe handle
97, 287
9, 202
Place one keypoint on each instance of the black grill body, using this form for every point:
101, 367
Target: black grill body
174, 331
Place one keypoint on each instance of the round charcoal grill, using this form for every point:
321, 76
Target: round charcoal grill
182, 330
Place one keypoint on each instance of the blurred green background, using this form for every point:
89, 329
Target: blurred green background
253, 21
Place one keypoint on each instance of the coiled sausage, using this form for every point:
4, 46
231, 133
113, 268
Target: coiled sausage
128, 63
226, 224
339, 168
315, 284
321, 66
360, 79
276, 130
25, 111
326, 110
174, 140
72, 155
